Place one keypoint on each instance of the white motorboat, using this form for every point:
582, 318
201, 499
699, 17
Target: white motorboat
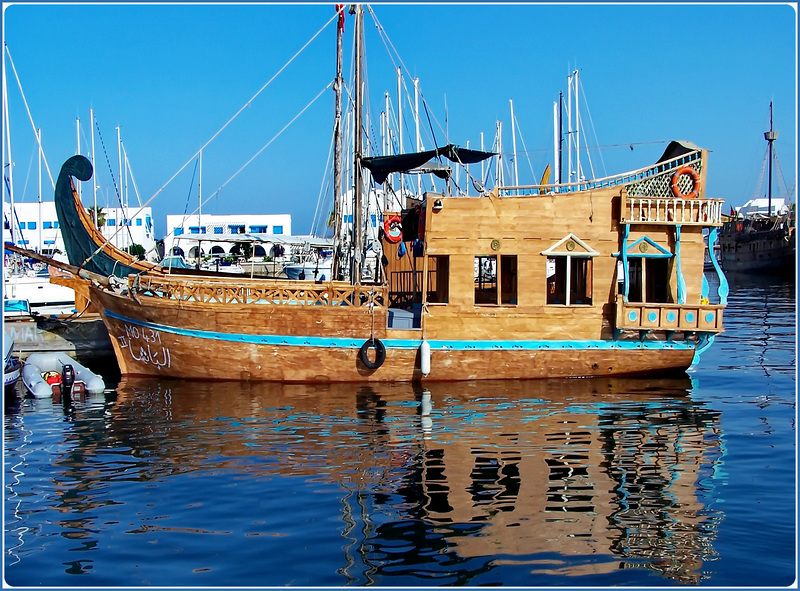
12, 365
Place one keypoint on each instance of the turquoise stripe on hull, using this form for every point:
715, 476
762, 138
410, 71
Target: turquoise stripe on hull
477, 345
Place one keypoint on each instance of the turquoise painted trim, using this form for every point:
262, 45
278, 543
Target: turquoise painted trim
477, 345
681, 280
626, 287
723, 288
704, 343
660, 253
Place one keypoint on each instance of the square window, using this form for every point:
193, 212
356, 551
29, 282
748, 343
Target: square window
489, 275
569, 280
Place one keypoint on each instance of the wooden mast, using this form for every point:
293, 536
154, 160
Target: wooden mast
358, 239
770, 136
337, 147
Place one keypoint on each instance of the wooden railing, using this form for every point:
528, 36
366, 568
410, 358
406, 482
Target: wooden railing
669, 317
671, 211
256, 291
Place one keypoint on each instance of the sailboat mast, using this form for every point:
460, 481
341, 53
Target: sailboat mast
770, 136
78, 145
358, 241
337, 147
94, 180
39, 222
7, 160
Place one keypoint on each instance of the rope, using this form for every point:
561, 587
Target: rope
246, 105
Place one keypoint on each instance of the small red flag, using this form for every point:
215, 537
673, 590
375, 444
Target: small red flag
340, 10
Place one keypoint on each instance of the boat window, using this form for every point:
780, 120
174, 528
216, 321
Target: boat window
649, 279
569, 280
439, 279
488, 276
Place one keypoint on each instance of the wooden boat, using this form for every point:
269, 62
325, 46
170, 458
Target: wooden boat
761, 237
596, 278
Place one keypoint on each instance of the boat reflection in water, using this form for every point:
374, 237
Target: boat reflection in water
552, 478
571, 477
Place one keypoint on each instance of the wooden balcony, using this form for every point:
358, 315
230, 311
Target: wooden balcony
671, 211
669, 317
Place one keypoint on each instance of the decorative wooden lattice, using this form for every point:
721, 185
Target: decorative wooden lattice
274, 293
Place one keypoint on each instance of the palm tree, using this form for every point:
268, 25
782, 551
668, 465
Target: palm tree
101, 216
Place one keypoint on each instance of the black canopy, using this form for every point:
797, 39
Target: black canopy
382, 166
675, 149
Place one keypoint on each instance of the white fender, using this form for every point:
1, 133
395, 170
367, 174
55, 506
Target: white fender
425, 358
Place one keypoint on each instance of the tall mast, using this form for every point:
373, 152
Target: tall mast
514, 145
94, 173
578, 175
560, 135
569, 129
416, 127
400, 126
199, 192
337, 145
770, 136
358, 241
499, 169
78, 144
39, 223
7, 160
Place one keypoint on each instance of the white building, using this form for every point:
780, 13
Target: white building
183, 227
36, 228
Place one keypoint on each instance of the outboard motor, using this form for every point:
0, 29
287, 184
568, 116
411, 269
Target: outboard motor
67, 379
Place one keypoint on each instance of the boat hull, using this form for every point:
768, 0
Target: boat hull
152, 337
767, 252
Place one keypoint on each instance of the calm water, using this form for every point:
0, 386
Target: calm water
551, 483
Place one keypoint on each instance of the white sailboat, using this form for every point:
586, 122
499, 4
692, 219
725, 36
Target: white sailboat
26, 285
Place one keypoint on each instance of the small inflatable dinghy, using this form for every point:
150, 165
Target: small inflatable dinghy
48, 374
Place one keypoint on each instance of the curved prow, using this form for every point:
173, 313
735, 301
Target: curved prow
86, 246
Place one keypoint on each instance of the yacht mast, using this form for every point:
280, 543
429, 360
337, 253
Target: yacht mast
39, 221
78, 145
94, 169
400, 126
8, 162
514, 144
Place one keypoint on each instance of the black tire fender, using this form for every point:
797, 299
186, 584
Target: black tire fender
380, 353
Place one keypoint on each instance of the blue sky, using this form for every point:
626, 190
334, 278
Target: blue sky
170, 76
